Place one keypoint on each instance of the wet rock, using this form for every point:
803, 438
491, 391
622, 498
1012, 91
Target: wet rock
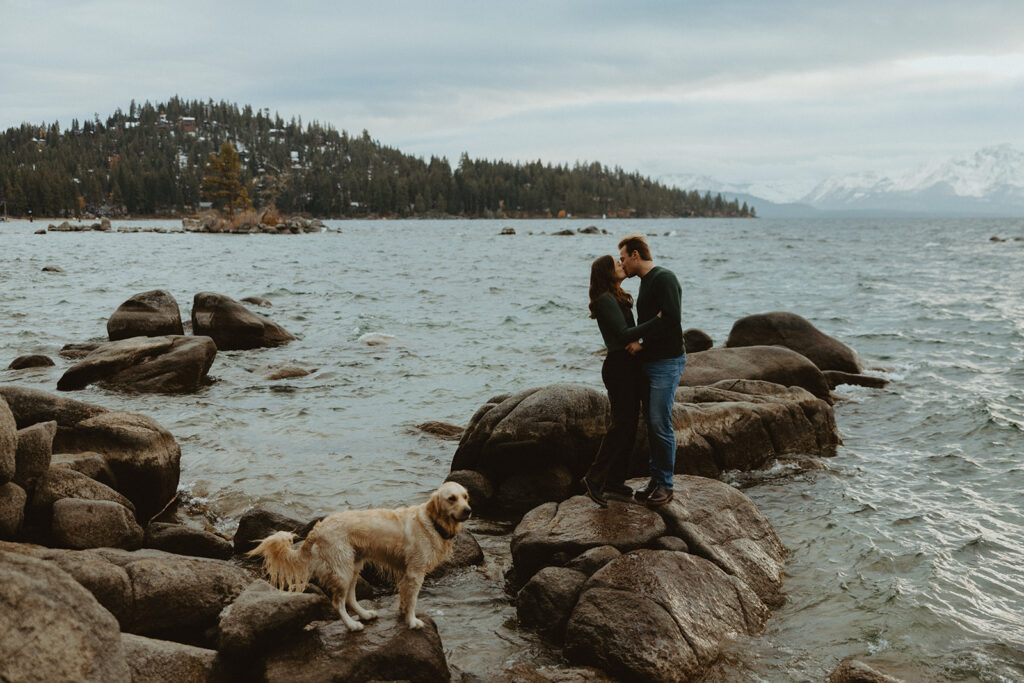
507, 230
548, 598
31, 361
723, 526
376, 339
178, 597
589, 561
82, 524
534, 430
835, 378
54, 629
34, 453
523, 491
144, 457
442, 430
74, 351
232, 326
52, 269
854, 671
262, 616
767, 363
259, 522
144, 364
12, 510
164, 661
466, 552
564, 233
386, 651
184, 540
555, 532
480, 488
8, 443
696, 340
792, 331
40, 231
288, 372
256, 301
148, 314
656, 615
589, 230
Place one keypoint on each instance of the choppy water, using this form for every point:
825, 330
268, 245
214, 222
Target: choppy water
906, 552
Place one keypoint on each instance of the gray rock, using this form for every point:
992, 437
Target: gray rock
12, 510
148, 314
548, 598
185, 540
656, 615
92, 465
144, 457
34, 453
54, 630
178, 597
8, 443
163, 661
386, 650
723, 526
261, 616
466, 552
792, 331
82, 524
854, 671
232, 325
168, 364
589, 561
555, 532
59, 483
523, 491
696, 340
30, 361
108, 582
767, 363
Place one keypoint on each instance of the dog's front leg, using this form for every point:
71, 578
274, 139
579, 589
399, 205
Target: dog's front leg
408, 591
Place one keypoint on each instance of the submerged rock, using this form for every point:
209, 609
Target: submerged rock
232, 326
167, 364
792, 331
32, 361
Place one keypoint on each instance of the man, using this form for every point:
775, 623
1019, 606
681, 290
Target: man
663, 355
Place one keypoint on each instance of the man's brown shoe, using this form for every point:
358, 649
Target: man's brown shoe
659, 496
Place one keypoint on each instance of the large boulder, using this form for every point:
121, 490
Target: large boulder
554, 533
547, 600
144, 457
792, 331
30, 406
768, 363
657, 615
260, 521
8, 443
82, 524
108, 582
149, 314
53, 628
723, 526
232, 325
387, 650
262, 616
35, 451
61, 482
164, 661
144, 364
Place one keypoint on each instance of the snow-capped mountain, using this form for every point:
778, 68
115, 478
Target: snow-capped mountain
989, 181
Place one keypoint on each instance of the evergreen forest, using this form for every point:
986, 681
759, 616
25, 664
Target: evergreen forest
151, 160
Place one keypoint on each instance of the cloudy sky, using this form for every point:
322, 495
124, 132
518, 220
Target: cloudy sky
757, 91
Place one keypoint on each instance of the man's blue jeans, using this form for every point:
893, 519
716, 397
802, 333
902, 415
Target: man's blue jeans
663, 376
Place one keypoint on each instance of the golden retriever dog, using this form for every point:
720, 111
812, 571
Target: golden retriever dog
406, 543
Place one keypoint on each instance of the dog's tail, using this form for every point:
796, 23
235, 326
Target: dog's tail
288, 567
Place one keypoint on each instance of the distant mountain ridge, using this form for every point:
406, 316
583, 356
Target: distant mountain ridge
988, 182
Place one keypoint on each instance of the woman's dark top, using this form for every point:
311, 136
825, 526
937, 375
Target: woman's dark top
614, 319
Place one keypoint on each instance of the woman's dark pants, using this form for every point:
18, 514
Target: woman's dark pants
624, 379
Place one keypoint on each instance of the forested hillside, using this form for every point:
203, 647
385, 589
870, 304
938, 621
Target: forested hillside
151, 159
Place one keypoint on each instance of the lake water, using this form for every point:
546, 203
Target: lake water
905, 552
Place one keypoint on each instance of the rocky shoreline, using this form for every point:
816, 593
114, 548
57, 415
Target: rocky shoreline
100, 579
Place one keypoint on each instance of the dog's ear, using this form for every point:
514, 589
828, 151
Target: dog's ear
435, 507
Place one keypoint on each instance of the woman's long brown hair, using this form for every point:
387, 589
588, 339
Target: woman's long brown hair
602, 279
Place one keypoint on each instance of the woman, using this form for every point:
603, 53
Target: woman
622, 375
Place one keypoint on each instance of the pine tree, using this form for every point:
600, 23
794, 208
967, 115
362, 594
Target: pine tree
222, 185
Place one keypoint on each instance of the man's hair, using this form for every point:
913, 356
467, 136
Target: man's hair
637, 243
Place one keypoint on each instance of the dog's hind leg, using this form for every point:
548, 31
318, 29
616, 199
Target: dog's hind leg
408, 590
339, 576
350, 598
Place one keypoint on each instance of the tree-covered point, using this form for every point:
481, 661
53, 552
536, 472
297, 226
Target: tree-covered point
153, 158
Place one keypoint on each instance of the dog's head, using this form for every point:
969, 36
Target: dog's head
449, 506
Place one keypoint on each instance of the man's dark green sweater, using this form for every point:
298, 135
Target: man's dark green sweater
660, 292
